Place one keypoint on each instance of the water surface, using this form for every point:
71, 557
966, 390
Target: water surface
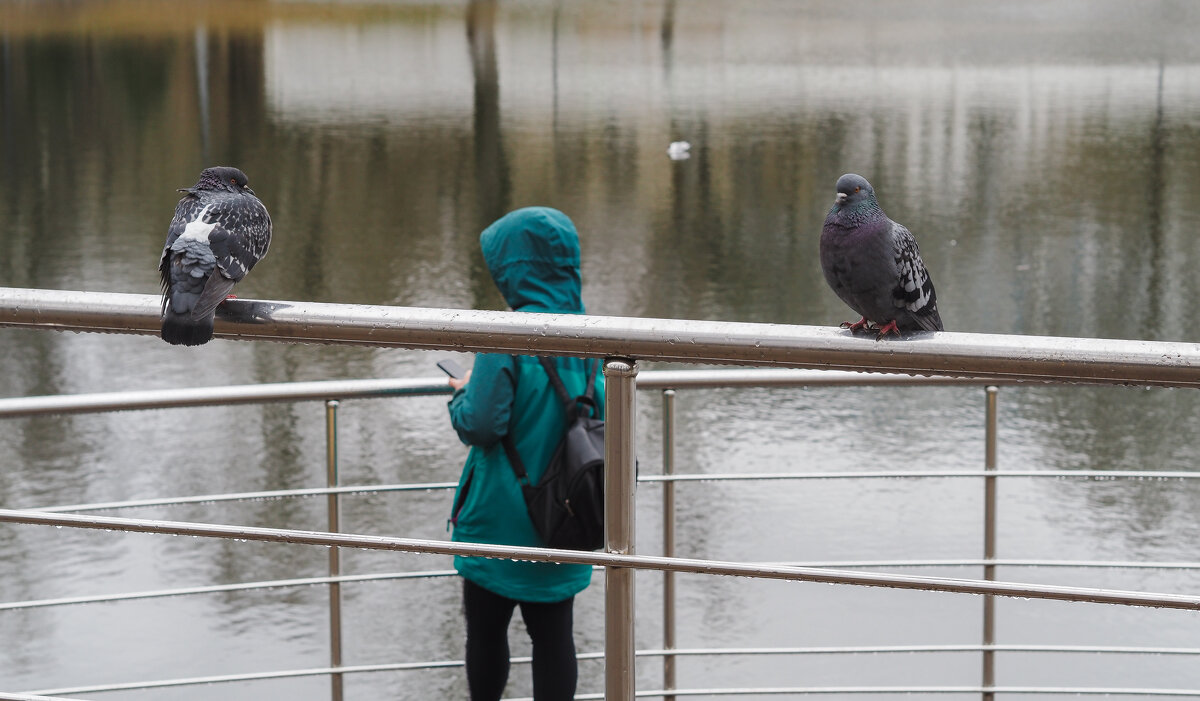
1043, 153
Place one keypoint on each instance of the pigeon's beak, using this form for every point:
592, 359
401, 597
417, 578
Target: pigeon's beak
841, 198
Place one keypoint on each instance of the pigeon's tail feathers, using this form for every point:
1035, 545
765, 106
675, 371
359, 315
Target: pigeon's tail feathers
184, 321
929, 319
186, 330
188, 313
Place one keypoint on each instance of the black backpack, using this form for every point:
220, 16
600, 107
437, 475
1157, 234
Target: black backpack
567, 504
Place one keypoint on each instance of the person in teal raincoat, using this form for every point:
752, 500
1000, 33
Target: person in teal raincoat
533, 257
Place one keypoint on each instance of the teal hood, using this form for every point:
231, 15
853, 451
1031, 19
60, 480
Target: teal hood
533, 255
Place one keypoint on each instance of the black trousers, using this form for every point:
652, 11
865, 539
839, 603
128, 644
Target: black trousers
550, 627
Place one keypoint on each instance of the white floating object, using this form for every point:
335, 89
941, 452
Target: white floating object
679, 150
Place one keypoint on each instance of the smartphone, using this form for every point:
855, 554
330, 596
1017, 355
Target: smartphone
451, 368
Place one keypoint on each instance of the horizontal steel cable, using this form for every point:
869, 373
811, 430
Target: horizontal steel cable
805, 574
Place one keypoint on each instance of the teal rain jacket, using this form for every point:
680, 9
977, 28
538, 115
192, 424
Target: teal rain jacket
533, 256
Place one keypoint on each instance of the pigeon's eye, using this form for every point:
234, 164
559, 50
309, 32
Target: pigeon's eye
233, 180
857, 189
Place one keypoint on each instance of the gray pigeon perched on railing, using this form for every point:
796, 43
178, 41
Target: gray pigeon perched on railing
220, 230
873, 264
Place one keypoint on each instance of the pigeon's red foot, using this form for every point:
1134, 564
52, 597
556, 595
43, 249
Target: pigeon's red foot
228, 297
857, 326
890, 327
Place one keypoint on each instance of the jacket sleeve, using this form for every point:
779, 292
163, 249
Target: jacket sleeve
480, 411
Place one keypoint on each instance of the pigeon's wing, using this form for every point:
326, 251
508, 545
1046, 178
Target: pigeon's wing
216, 289
242, 235
185, 212
914, 288
239, 239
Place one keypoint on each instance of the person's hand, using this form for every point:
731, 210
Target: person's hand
459, 382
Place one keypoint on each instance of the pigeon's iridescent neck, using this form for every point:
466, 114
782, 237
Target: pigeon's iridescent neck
852, 215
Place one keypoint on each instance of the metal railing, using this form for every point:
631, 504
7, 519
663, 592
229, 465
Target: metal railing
666, 381
1027, 358
967, 358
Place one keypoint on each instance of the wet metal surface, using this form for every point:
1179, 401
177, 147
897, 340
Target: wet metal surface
1011, 357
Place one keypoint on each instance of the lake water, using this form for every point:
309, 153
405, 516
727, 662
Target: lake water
1044, 154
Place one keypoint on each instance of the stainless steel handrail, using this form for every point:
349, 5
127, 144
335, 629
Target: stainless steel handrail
333, 510
620, 451
16, 407
606, 559
907, 690
217, 588
991, 429
1000, 562
668, 533
248, 496
991, 358
833, 564
424, 574
320, 390
667, 654
1031, 358
248, 676
31, 697
1160, 475
684, 652
358, 389
905, 649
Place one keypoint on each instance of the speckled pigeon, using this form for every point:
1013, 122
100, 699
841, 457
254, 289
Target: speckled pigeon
220, 230
873, 264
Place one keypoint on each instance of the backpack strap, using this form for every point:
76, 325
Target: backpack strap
514, 459
570, 404
590, 391
555, 380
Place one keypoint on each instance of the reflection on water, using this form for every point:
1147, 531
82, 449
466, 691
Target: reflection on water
1042, 153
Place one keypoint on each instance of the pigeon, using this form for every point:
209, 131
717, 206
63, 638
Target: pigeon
220, 230
873, 264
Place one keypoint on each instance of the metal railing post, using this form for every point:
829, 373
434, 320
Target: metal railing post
619, 481
335, 562
668, 526
989, 543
